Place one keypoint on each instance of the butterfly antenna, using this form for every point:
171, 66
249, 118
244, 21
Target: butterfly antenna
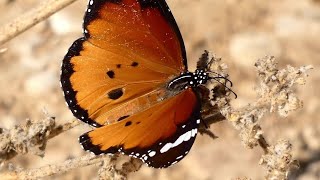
224, 84
222, 77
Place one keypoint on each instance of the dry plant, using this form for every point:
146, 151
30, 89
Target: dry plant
275, 94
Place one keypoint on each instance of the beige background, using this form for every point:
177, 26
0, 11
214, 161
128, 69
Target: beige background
239, 31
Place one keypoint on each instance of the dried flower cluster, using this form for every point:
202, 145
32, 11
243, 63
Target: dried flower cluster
28, 138
275, 94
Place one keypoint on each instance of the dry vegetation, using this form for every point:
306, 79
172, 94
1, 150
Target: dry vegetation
275, 115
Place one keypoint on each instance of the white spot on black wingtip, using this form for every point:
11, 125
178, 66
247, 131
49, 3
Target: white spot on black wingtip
152, 153
174, 162
198, 121
194, 132
82, 147
95, 125
179, 157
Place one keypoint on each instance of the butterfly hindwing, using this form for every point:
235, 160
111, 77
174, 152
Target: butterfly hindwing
160, 141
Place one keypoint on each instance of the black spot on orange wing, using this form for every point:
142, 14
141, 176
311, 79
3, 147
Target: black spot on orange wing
134, 64
123, 117
128, 123
115, 94
110, 74
118, 65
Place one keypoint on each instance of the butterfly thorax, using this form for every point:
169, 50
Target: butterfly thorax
188, 79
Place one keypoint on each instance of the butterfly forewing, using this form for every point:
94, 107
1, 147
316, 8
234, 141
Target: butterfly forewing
129, 48
143, 27
160, 136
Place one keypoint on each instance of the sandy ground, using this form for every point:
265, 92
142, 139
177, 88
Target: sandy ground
239, 31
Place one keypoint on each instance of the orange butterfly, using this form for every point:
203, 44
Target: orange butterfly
128, 77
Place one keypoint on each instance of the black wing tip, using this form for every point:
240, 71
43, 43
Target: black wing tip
67, 67
87, 145
69, 93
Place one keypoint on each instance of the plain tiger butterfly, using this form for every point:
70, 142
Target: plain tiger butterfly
128, 77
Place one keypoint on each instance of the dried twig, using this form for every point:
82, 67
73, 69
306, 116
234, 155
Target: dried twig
26, 21
54, 169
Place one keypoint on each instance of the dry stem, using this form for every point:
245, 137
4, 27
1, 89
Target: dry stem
29, 19
50, 170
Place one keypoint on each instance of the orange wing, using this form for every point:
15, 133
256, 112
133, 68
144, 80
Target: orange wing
130, 49
160, 136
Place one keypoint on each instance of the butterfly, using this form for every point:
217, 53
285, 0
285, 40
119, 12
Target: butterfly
128, 78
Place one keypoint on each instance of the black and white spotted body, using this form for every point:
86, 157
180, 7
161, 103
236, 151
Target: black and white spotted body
188, 79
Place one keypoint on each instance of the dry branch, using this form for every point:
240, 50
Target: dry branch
50, 170
29, 19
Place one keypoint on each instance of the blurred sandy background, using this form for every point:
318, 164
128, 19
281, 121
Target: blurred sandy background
239, 31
